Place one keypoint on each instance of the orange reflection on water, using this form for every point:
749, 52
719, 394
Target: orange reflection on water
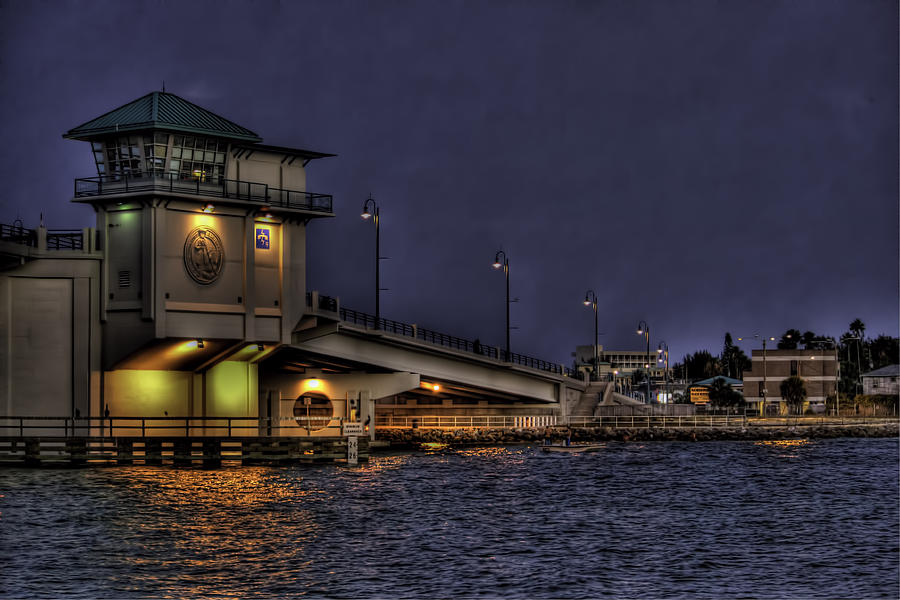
784, 443
214, 523
785, 448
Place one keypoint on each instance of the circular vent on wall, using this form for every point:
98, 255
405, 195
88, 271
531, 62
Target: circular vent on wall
313, 410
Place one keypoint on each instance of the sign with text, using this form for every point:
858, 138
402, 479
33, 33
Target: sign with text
351, 429
352, 450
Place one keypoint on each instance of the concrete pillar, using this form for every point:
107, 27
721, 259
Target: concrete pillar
182, 452
77, 448
124, 452
32, 452
212, 453
152, 452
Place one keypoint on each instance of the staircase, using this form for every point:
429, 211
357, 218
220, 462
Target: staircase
590, 399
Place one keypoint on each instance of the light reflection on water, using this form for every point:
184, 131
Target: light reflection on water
797, 518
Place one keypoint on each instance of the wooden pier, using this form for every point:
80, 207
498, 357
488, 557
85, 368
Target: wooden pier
169, 440
178, 451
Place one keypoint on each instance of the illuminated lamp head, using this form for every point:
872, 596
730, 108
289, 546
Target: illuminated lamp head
209, 208
313, 383
436, 387
199, 342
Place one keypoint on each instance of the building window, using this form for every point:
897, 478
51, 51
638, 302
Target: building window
155, 147
118, 156
198, 158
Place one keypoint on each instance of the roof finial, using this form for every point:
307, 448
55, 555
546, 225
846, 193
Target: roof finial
164, 86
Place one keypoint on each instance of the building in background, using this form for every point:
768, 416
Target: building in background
883, 381
817, 368
625, 362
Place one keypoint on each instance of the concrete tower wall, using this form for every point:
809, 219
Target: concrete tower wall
50, 337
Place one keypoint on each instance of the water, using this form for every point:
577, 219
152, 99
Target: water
732, 519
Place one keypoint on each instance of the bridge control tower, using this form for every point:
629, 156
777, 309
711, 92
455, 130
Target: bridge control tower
196, 219
202, 229
187, 304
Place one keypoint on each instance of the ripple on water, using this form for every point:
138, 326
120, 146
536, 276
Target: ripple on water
800, 518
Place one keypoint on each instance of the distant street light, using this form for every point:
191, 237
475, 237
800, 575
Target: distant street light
662, 352
366, 215
504, 264
590, 299
644, 329
765, 389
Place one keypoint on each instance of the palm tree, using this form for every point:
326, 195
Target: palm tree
808, 339
793, 390
858, 328
790, 339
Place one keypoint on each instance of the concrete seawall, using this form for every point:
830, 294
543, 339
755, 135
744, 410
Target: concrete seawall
412, 437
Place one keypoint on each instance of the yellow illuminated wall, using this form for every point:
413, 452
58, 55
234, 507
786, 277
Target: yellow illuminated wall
139, 393
232, 390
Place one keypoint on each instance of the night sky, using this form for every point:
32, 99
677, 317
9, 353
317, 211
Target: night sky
705, 166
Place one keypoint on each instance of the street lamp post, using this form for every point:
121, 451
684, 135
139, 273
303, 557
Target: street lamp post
765, 388
858, 363
590, 299
505, 265
366, 214
644, 330
663, 356
837, 371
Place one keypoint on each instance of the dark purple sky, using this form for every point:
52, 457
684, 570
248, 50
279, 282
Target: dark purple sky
706, 166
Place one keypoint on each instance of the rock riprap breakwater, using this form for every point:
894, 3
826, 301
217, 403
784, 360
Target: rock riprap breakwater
403, 437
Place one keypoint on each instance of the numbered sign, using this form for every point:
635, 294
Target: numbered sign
352, 450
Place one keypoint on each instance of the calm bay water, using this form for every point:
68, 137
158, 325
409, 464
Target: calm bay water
718, 519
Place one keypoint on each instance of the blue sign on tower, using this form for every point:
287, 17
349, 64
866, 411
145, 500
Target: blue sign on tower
262, 239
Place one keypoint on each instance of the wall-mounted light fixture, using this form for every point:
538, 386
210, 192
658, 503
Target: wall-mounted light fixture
209, 208
199, 342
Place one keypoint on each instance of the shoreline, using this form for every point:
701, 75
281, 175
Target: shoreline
399, 438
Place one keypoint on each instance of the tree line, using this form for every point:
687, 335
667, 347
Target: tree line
856, 353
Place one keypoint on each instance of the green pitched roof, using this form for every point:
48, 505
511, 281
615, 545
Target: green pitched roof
729, 380
160, 110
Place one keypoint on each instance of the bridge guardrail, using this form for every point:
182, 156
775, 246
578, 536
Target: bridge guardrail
448, 341
615, 422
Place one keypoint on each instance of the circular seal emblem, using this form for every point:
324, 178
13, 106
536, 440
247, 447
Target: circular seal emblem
204, 255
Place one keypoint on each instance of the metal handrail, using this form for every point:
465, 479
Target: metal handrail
450, 341
217, 187
18, 234
113, 426
57, 239
62, 239
615, 422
